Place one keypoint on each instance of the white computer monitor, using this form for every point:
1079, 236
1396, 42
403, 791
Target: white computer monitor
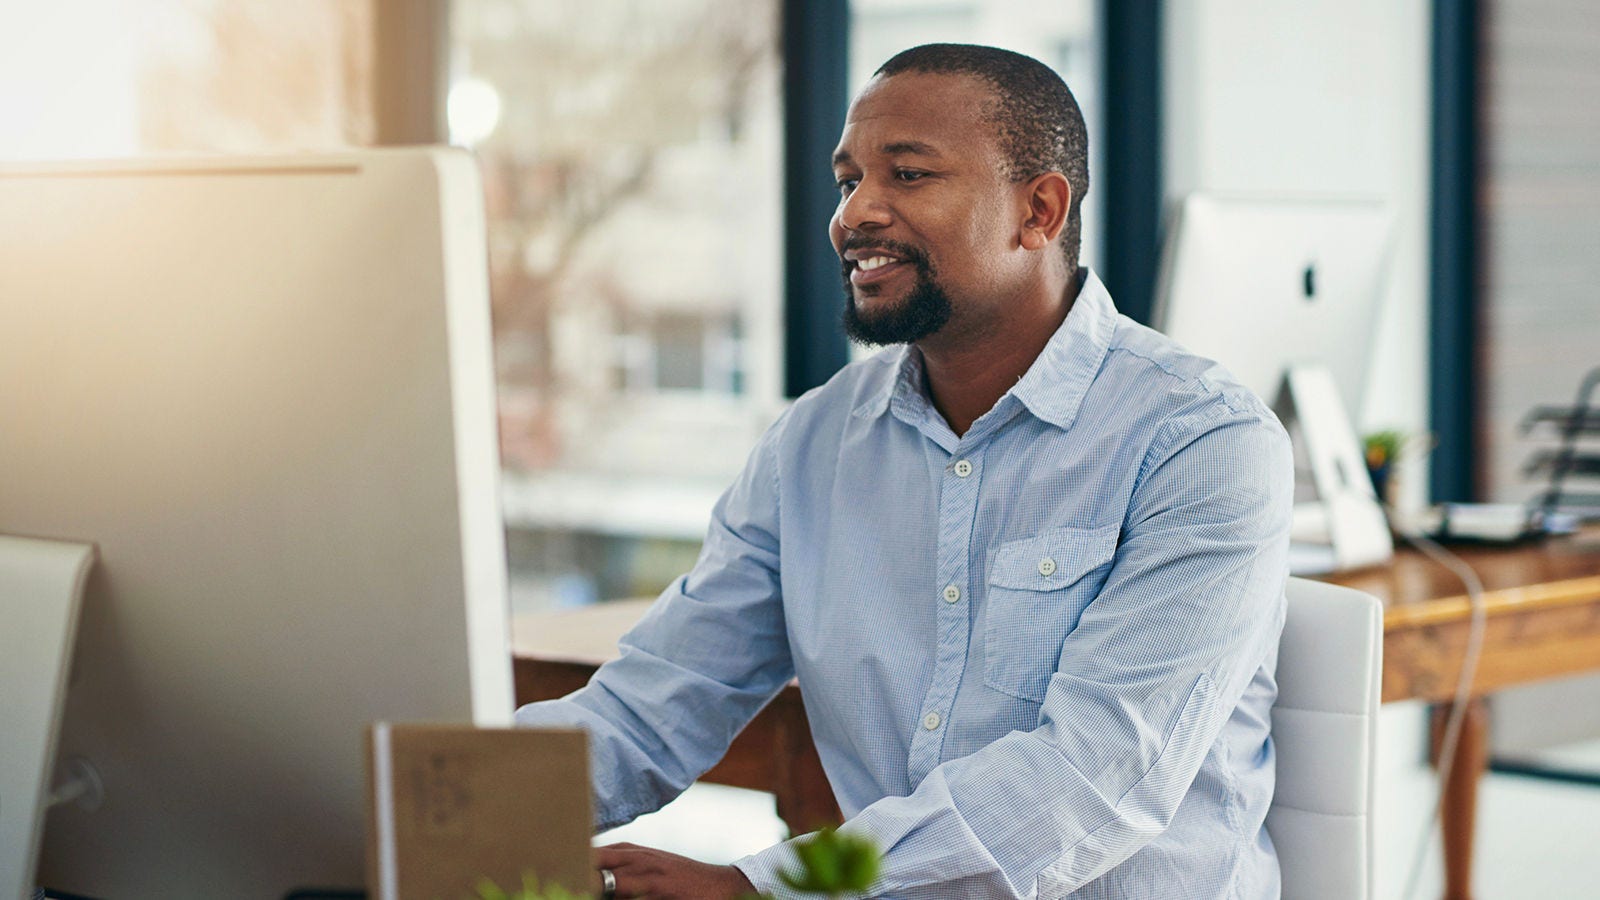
262, 388
1284, 291
1260, 282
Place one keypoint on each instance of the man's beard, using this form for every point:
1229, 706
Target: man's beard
923, 311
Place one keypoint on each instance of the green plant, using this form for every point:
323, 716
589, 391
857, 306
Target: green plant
530, 890
1387, 453
1383, 447
834, 864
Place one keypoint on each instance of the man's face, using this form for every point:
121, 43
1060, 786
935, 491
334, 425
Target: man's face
925, 218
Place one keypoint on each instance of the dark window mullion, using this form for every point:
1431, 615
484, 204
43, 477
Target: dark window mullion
1453, 391
816, 43
1130, 163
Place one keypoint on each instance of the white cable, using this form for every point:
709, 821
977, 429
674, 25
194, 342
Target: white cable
1469, 668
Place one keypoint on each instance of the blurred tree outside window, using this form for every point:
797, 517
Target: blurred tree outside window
632, 154
632, 157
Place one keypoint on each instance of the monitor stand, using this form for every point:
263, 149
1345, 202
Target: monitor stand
41, 584
1342, 525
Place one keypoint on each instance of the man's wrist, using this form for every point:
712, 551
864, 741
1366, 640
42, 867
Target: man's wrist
739, 883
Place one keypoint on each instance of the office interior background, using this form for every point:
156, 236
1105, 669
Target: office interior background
661, 282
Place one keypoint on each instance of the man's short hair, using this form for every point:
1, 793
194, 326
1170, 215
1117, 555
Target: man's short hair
1037, 120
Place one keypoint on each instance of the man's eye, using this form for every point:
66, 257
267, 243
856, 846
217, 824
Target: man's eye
909, 174
846, 185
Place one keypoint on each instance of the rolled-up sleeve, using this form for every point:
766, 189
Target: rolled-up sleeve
1190, 610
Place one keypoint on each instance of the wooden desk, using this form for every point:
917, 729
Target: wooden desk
1543, 621
1543, 604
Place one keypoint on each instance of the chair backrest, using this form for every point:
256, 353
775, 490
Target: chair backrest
1324, 727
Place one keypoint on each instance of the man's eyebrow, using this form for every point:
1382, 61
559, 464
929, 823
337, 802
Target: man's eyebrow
910, 148
896, 148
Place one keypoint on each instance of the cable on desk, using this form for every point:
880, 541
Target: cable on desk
1469, 669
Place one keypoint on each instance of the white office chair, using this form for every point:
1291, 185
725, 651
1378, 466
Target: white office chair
1330, 665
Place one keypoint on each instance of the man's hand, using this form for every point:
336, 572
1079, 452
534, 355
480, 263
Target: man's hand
658, 875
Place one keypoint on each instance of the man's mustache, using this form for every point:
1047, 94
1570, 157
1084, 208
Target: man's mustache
908, 252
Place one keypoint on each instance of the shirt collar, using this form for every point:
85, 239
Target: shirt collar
1055, 384
902, 384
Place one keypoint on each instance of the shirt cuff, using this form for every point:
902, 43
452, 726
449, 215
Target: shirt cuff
762, 869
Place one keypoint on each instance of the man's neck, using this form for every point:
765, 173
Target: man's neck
966, 378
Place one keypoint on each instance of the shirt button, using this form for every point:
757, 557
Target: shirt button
1047, 567
963, 468
951, 593
930, 721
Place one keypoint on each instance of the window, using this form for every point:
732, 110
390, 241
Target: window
632, 154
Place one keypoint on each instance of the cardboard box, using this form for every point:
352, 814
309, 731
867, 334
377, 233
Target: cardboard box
450, 806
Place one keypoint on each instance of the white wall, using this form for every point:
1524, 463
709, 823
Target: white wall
1327, 96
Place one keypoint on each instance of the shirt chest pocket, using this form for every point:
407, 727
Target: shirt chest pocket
1038, 587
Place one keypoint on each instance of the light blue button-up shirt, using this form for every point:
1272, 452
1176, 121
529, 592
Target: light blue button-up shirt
1037, 658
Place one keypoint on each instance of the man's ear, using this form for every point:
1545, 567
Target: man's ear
1049, 197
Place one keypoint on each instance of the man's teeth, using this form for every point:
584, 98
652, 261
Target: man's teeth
873, 262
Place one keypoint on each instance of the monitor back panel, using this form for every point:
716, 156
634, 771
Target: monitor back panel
263, 389
1263, 282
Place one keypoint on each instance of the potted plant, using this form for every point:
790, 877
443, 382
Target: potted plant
831, 865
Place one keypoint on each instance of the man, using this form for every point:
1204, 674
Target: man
1028, 569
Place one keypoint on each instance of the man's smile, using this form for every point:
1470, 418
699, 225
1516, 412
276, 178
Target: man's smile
874, 270
872, 265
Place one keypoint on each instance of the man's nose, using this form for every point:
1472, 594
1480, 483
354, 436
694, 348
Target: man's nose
863, 209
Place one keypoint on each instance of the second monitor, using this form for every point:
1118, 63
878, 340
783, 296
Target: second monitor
1284, 292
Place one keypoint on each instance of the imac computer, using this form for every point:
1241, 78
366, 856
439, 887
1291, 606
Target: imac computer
260, 392
1284, 293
